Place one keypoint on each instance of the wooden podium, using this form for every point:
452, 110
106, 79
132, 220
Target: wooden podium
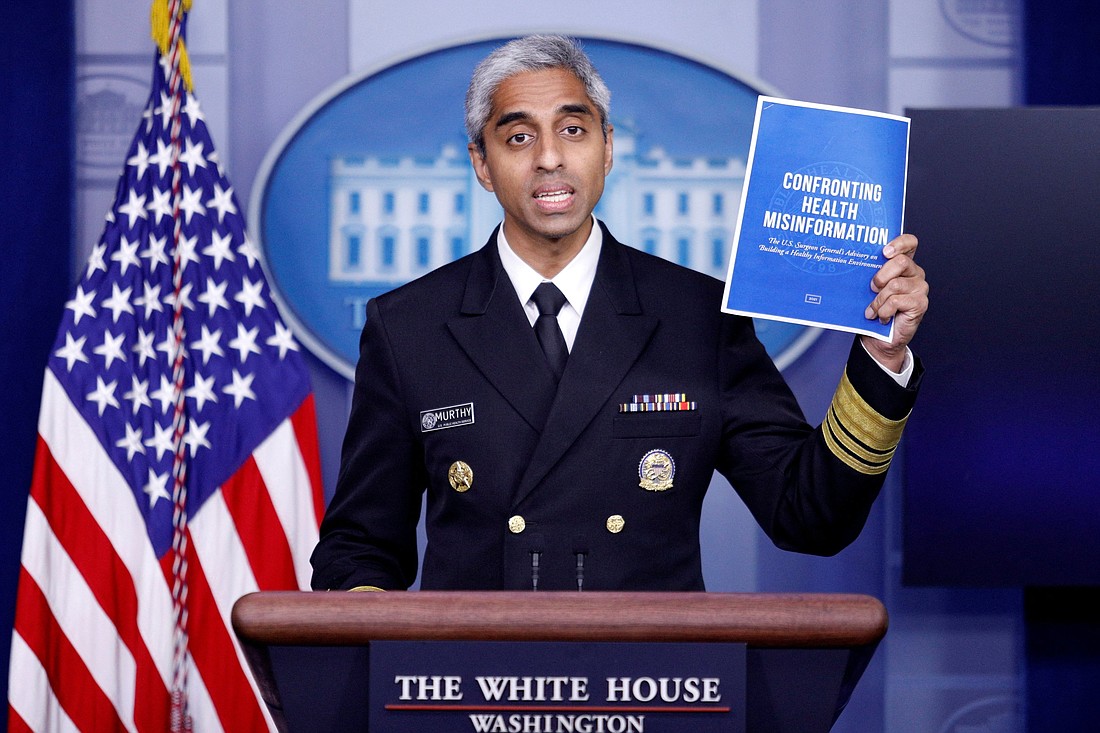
805, 652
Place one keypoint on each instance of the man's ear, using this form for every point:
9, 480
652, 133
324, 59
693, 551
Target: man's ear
609, 148
481, 168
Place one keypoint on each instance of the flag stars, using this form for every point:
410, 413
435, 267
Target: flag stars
185, 250
184, 298
95, 259
156, 487
147, 115
202, 391
212, 157
149, 299
165, 109
166, 396
222, 201
241, 388
169, 346
132, 442
139, 160
72, 351
144, 347
104, 395
214, 296
163, 440
282, 339
249, 295
209, 344
193, 110
126, 254
138, 394
248, 251
81, 304
163, 157
196, 436
119, 302
219, 249
192, 157
111, 349
245, 343
161, 205
154, 252
190, 204
134, 208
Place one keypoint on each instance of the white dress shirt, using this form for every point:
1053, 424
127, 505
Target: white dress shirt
574, 281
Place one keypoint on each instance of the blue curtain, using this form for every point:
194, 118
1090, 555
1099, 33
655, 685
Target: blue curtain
37, 50
1062, 68
1062, 52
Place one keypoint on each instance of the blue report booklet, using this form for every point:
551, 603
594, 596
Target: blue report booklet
824, 192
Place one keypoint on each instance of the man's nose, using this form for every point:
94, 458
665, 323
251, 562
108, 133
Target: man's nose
548, 153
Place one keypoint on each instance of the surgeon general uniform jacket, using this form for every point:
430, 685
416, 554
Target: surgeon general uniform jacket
451, 371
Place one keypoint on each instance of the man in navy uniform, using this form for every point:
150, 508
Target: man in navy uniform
512, 385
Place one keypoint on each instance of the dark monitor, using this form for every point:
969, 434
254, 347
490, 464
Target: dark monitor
1002, 452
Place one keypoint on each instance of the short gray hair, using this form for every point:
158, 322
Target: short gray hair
530, 53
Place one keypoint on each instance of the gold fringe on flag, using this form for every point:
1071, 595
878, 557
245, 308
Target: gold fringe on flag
162, 35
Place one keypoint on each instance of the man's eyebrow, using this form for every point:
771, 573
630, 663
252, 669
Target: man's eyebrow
575, 109
510, 117
566, 109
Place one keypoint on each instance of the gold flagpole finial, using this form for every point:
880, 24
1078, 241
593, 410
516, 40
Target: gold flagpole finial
161, 27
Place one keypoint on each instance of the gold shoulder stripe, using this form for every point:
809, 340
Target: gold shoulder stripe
857, 435
367, 588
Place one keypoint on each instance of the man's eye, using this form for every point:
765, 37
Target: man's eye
574, 130
519, 138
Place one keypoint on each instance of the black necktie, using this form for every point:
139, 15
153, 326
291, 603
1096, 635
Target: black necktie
549, 300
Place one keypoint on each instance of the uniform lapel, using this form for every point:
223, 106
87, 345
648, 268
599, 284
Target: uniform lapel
612, 334
494, 332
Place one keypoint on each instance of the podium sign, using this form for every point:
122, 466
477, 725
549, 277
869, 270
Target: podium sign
553, 687
556, 687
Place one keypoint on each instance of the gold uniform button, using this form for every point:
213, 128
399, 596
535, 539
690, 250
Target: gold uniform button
516, 524
615, 523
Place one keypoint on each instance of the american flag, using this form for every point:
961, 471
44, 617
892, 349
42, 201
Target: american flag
110, 620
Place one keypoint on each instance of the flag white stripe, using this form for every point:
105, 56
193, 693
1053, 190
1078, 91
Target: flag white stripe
204, 717
30, 695
283, 469
214, 535
77, 451
79, 615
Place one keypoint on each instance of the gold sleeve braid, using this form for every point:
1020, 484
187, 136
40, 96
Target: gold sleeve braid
858, 435
366, 588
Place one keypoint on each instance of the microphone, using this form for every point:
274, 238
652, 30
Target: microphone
536, 555
580, 550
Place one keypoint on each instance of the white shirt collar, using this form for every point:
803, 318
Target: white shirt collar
575, 280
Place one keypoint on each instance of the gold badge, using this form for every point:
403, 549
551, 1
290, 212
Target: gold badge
517, 524
615, 523
461, 476
656, 470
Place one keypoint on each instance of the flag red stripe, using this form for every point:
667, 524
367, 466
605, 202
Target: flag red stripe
106, 575
304, 421
16, 724
73, 685
212, 650
259, 529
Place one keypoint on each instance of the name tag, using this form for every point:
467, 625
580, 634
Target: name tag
442, 418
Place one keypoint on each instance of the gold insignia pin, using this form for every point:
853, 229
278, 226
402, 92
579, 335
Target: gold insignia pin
615, 523
656, 470
460, 476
